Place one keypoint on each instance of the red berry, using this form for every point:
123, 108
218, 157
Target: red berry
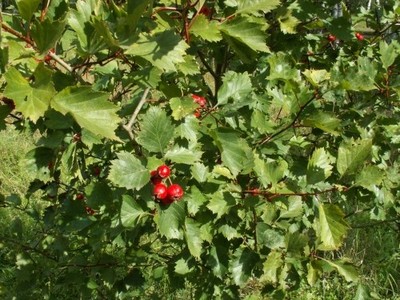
96, 171
160, 191
155, 178
359, 36
331, 38
175, 191
79, 196
205, 10
167, 200
197, 113
89, 210
255, 192
163, 171
199, 100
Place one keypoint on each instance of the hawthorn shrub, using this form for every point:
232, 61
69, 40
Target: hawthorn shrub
278, 119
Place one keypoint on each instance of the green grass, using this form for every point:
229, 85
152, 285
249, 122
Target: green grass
14, 178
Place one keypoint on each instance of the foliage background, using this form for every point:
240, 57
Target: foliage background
291, 171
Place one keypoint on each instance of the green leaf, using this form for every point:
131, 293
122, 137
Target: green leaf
135, 9
127, 171
171, 220
164, 49
236, 153
156, 130
345, 269
271, 238
324, 121
288, 22
182, 155
195, 200
315, 77
132, 213
199, 172
270, 171
31, 99
242, 265
90, 40
271, 267
352, 155
293, 209
90, 109
362, 293
182, 107
388, 54
246, 32
27, 8
193, 237
190, 66
228, 231
332, 227
235, 86
255, 6
281, 68
369, 177
182, 267
205, 29
46, 34
221, 203
319, 166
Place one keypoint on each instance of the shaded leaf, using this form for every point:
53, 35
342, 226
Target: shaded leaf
163, 49
319, 166
171, 220
193, 237
218, 260
242, 265
131, 212
27, 8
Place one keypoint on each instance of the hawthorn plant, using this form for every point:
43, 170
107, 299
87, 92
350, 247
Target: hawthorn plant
197, 145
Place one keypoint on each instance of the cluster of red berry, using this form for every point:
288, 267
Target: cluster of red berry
88, 209
332, 38
202, 102
163, 193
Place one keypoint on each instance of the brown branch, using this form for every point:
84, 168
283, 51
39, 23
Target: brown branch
270, 196
32, 44
17, 34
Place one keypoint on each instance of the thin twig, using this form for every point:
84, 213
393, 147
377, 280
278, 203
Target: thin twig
32, 44
268, 138
61, 62
128, 127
